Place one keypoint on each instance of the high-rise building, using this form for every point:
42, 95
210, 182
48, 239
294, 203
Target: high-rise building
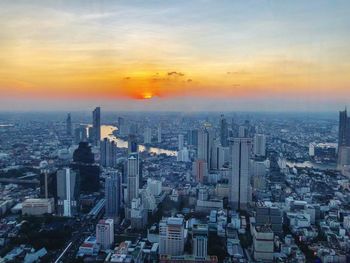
223, 132
147, 136
259, 145
171, 236
96, 126
239, 179
181, 142
89, 171
105, 233
200, 240
192, 137
113, 195
69, 125
263, 243
80, 134
159, 134
133, 180
343, 138
108, 149
67, 192
132, 144
200, 170
203, 145
48, 184
217, 156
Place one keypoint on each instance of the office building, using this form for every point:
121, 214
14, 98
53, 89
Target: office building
138, 214
180, 142
192, 137
37, 206
105, 233
171, 236
217, 156
259, 145
132, 144
200, 170
89, 171
223, 132
343, 138
80, 134
113, 195
147, 136
133, 180
183, 155
108, 153
67, 192
203, 145
239, 180
96, 126
263, 243
69, 125
200, 240
159, 134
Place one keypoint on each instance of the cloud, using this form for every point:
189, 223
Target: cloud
176, 74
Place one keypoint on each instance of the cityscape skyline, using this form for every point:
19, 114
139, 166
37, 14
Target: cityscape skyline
176, 56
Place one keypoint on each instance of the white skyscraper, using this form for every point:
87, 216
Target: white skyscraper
171, 236
239, 180
105, 233
259, 145
181, 142
133, 177
67, 192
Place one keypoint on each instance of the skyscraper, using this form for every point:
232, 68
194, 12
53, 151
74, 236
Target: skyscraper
223, 132
159, 134
108, 150
147, 136
259, 145
239, 180
203, 145
200, 240
69, 125
171, 236
96, 126
343, 139
113, 195
132, 144
181, 142
132, 177
200, 170
67, 192
89, 171
105, 233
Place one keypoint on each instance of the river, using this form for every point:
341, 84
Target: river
107, 132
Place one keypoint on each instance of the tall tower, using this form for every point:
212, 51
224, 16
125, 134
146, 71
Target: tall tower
113, 195
69, 125
132, 144
259, 145
203, 145
223, 132
181, 142
133, 177
239, 181
96, 125
67, 192
108, 151
159, 133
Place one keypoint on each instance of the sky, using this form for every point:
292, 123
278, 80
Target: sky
200, 55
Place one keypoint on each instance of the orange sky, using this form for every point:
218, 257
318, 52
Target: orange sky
123, 51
